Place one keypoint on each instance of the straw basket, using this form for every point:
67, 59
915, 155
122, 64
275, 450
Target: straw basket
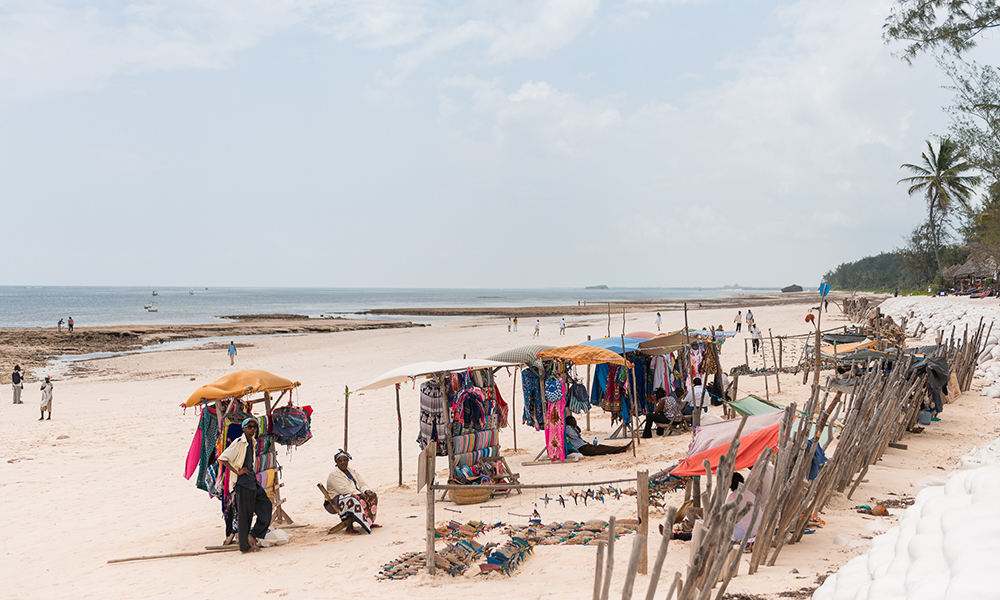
472, 494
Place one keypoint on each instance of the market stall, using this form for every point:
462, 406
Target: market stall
461, 411
224, 405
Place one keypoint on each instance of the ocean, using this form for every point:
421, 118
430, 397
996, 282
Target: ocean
24, 306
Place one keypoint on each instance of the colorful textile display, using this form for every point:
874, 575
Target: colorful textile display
471, 458
476, 440
432, 422
577, 399
555, 419
290, 425
534, 406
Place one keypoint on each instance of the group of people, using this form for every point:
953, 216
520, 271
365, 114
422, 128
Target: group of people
17, 382
512, 326
352, 499
752, 328
68, 323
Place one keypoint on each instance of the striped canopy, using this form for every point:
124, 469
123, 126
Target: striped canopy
526, 355
583, 355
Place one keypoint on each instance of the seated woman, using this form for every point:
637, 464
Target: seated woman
576, 442
353, 500
663, 413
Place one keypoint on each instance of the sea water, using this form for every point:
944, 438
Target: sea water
22, 306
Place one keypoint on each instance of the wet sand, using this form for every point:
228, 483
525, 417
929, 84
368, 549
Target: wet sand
34, 348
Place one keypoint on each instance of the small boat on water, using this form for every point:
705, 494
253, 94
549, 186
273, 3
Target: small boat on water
151, 307
155, 293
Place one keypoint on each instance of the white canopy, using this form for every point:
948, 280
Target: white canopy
408, 372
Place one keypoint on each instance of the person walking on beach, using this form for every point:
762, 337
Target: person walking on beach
755, 337
17, 380
537, 326
69, 324
508, 324
738, 320
515, 324
46, 398
659, 320
60, 324
562, 326
749, 319
232, 353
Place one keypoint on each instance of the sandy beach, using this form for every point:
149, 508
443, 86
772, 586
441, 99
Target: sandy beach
104, 478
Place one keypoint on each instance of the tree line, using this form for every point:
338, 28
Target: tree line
958, 173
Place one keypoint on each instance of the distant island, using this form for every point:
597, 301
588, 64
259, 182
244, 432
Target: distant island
596, 287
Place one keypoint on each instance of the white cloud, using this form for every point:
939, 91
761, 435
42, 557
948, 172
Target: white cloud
532, 91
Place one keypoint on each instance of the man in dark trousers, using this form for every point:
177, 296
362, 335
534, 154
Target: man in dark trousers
251, 499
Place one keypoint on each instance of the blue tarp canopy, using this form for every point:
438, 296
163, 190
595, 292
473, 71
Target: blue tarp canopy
615, 344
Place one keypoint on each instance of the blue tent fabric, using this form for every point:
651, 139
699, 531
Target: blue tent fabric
615, 344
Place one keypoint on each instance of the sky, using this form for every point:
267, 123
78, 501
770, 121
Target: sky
381, 143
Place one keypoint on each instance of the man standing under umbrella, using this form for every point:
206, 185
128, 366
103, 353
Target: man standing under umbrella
251, 499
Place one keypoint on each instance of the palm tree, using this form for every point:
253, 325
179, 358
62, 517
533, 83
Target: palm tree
941, 180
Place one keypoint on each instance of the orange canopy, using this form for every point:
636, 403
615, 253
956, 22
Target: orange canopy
751, 446
239, 384
583, 355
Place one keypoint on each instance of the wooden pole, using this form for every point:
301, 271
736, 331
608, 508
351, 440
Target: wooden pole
638, 548
781, 352
668, 527
763, 357
746, 354
599, 570
819, 317
609, 564
431, 455
642, 498
347, 399
609, 319
399, 421
589, 384
696, 418
513, 408
174, 555
777, 372
634, 408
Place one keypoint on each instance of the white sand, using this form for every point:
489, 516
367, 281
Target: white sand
113, 488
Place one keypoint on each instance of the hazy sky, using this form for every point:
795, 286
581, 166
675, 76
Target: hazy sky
454, 144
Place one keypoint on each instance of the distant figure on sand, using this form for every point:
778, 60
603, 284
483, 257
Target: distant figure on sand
562, 326
60, 324
749, 318
46, 398
515, 324
508, 324
17, 380
738, 320
659, 320
755, 338
69, 324
251, 499
537, 326
232, 353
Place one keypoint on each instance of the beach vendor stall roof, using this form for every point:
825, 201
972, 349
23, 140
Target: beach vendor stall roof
525, 355
239, 384
583, 355
421, 369
617, 345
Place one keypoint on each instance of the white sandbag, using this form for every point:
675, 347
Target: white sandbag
275, 537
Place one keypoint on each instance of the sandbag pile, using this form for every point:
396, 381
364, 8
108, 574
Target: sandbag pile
944, 546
